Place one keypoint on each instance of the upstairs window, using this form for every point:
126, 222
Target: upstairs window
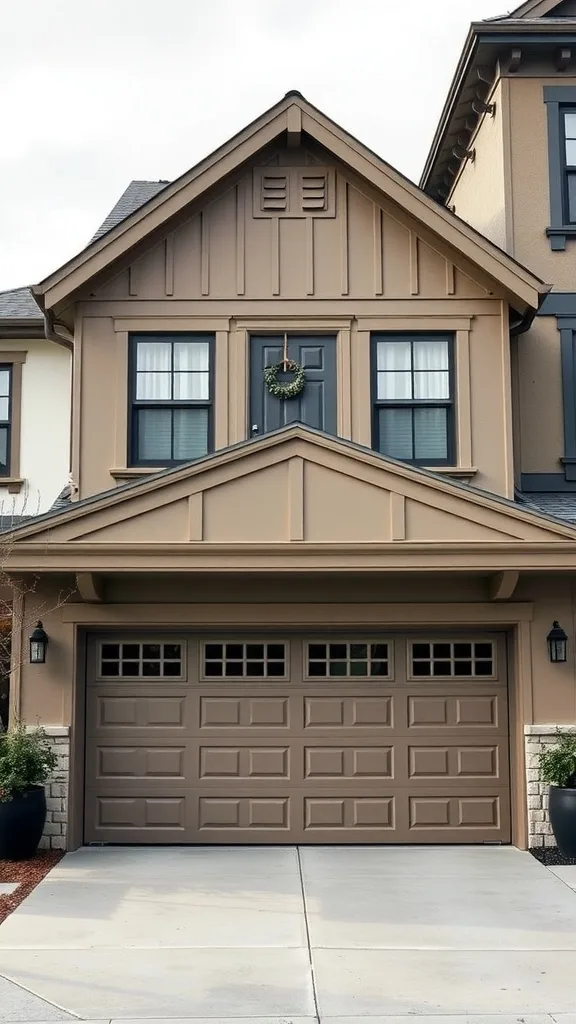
171, 395
413, 398
569, 161
5, 419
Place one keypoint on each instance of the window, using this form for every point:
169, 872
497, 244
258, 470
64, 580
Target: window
413, 406
5, 419
140, 660
240, 661
452, 658
333, 660
171, 398
569, 160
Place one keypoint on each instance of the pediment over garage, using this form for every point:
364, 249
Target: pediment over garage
294, 488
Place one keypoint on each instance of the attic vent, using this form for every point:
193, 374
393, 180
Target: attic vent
313, 191
274, 192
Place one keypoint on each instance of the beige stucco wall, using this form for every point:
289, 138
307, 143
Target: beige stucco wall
529, 190
539, 398
479, 192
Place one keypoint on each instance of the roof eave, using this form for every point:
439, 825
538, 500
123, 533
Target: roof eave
462, 68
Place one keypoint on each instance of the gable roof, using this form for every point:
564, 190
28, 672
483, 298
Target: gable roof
302, 500
134, 196
19, 304
487, 42
293, 113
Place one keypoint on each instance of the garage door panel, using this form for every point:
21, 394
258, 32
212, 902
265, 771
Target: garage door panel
330, 760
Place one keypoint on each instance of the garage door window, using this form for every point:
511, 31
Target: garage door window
140, 660
331, 660
445, 659
244, 660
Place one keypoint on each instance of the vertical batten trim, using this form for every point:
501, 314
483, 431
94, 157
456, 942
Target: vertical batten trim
196, 516
309, 222
169, 265
344, 255
508, 437
77, 405
221, 391
240, 239
450, 278
414, 269
16, 655
275, 254
296, 499
397, 516
205, 253
120, 400
362, 396
132, 289
238, 393
344, 384
378, 263
463, 399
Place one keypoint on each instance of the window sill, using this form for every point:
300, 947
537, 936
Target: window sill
13, 483
458, 472
134, 472
559, 235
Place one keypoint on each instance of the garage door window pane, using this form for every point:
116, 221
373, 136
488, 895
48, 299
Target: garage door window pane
244, 661
348, 660
452, 659
141, 660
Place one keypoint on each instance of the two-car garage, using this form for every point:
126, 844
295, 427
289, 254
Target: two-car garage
293, 738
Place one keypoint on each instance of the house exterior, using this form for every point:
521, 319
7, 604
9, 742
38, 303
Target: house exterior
34, 431
320, 618
502, 160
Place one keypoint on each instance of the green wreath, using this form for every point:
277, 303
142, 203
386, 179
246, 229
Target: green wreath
294, 387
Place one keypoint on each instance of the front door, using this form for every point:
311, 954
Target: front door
316, 404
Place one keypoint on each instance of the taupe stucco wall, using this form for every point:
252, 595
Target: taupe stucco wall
479, 194
539, 397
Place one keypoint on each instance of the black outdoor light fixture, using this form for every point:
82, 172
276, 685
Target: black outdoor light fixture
38, 645
557, 643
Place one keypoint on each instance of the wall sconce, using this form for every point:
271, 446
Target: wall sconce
557, 641
38, 645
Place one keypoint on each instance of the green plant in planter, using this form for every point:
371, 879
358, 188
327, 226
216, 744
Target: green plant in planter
558, 764
26, 761
558, 768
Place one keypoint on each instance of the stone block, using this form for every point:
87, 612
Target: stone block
58, 842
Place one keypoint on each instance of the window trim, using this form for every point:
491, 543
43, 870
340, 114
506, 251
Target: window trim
255, 638
14, 362
450, 404
557, 99
459, 679
363, 638
134, 405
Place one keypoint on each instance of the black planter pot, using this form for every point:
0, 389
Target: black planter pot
22, 823
562, 813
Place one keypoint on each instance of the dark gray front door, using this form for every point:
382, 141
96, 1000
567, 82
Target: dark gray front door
316, 405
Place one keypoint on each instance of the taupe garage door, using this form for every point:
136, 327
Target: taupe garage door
364, 739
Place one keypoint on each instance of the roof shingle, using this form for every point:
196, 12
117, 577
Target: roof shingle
137, 193
557, 504
19, 304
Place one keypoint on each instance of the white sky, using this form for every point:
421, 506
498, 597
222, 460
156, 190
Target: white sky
97, 92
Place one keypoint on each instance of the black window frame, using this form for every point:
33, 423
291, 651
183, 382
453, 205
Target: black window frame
414, 403
136, 404
559, 100
8, 424
568, 170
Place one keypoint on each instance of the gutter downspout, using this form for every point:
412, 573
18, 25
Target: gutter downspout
66, 339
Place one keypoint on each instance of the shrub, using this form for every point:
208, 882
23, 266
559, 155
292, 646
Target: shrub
558, 763
26, 759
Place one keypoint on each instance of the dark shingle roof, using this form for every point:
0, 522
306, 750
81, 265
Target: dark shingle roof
137, 193
557, 504
19, 304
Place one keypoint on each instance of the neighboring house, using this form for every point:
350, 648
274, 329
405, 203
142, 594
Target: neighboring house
34, 410
504, 159
320, 619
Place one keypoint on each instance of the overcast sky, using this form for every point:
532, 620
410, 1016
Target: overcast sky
97, 92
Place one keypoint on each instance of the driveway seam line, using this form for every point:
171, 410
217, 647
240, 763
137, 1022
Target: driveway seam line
43, 999
305, 909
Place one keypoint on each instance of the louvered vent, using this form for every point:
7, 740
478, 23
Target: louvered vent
314, 191
274, 192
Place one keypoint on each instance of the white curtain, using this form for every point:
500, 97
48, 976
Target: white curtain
186, 364
191, 364
394, 362
153, 370
431, 378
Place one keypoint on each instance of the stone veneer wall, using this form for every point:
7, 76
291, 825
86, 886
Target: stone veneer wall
54, 837
537, 737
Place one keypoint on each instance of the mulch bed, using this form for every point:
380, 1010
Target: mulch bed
550, 856
27, 873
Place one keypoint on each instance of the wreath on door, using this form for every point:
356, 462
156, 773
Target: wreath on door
292, 388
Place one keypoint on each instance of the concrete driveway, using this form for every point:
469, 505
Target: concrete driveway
278, 935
